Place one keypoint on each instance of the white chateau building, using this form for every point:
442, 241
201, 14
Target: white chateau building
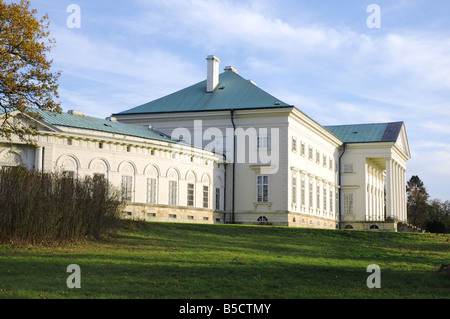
225, 151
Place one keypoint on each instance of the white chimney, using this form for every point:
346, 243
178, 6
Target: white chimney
212, 79
230, 68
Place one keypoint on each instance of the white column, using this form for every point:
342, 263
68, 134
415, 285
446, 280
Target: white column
367, 197
396, 191
399, 192
389, 212
372, 193
381, 199
380, 195
405, 217
372, 206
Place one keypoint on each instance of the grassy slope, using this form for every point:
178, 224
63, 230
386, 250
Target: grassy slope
162, 260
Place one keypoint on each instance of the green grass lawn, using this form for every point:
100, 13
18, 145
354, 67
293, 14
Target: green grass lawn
170, 260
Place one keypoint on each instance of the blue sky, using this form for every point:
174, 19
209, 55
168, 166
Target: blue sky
320, 56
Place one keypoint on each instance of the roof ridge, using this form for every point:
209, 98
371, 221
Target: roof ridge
355, 124
86, 122
232, 92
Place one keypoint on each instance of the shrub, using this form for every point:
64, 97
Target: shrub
48, 207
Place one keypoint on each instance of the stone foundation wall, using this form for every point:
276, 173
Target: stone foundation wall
283, 219
163, 213
371, 225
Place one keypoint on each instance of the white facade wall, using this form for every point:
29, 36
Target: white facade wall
373, 183
248, 208
99, 153
363, 188
279, 208
313, 162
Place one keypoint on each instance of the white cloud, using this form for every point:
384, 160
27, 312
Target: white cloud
110, 77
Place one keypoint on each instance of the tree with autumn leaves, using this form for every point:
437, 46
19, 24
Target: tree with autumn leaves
27, 82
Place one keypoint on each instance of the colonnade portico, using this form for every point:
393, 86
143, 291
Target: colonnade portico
385, 190
395, 190
375, 190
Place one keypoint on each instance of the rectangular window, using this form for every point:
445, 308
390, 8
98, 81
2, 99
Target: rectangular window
151, 190
348, 168
318, 196
190, 194
331, 201
263, 142
336, 199
324, 161
310, 194
310, 153
205, 196
294, 144
302, 149
331, 164
173, 189
303, 192
294, 190
217, 198
263, 188
317, 156
348, 203
127, 188
324, 199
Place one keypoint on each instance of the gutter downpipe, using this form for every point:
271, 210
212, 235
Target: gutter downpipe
233, 204
340, 189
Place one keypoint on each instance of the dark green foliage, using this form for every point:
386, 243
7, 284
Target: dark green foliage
41, 207
431, 215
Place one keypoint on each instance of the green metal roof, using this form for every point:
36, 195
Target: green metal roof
97, 124
233, 92
363, 133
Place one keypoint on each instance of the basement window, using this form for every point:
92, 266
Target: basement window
262, 219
